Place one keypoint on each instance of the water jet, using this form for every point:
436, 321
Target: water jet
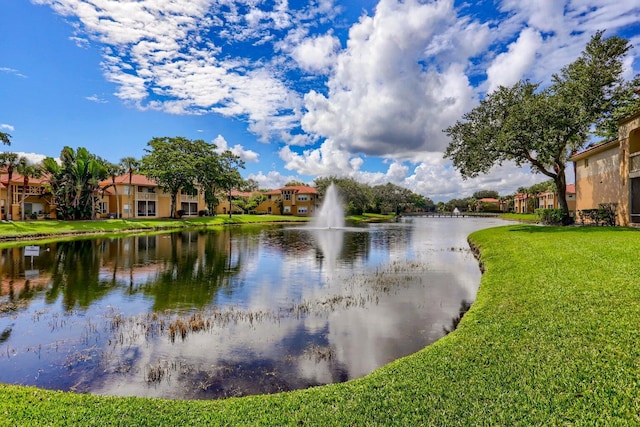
331, 213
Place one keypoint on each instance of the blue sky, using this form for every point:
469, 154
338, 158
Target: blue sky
299, 88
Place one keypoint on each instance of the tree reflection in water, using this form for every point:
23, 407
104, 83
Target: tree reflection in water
211, 313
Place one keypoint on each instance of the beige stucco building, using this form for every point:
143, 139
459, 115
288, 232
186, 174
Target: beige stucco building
38, 201
299, 200
144, 199
609, 172
528, 203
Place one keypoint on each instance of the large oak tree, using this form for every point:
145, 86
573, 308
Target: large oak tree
180, 164
543, 127
171, 162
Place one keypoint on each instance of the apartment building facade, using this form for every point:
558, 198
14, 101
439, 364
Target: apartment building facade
609, 173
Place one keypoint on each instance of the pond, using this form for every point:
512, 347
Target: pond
206, 314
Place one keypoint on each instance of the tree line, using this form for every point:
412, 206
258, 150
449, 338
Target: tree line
176, 164
388, 198
476, 203
180, 165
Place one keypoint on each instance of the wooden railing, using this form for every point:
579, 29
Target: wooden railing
32, 190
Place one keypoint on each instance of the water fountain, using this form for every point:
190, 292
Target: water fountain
328, 228
331, 213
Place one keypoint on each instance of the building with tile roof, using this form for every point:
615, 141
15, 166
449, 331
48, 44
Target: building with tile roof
608, 174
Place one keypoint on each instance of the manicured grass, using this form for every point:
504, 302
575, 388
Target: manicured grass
552, 339
52, 227
521, 217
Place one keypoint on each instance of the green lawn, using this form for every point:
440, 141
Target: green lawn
521, 217
48, 228
552, 339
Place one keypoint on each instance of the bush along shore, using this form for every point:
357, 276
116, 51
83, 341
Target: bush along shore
550, 340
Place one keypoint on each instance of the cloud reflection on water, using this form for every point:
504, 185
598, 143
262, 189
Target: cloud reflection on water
341, 303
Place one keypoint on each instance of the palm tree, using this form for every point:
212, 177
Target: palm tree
75, 182
28, 171
131, 166
53, 170
114, 170
9, 161
95, 172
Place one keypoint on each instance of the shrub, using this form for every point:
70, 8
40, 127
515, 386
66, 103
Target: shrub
203, 212
604, 215
550, 216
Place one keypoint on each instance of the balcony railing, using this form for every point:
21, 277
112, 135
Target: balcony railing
634, 162
143, 195
188, 198
32, 190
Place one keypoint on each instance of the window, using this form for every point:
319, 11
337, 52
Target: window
303, 197
586, 163
189, 208
102, 207
302, 210
146, 208
287, 196
287, 209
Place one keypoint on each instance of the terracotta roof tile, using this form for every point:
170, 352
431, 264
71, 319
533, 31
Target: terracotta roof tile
136, 179
235, 193
303, 189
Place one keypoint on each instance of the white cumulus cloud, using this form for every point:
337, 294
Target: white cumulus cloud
238, 150
509, 67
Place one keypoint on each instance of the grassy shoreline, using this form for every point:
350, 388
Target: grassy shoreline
13, 231
23, 230
551, 339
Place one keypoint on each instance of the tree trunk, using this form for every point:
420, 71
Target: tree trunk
7, 208
115, 189
93, 206
561, 187
130, 194
174, 198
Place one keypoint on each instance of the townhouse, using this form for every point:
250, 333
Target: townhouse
528, 203
549, 199
608, 173
144, 199
38, 200
299, 200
